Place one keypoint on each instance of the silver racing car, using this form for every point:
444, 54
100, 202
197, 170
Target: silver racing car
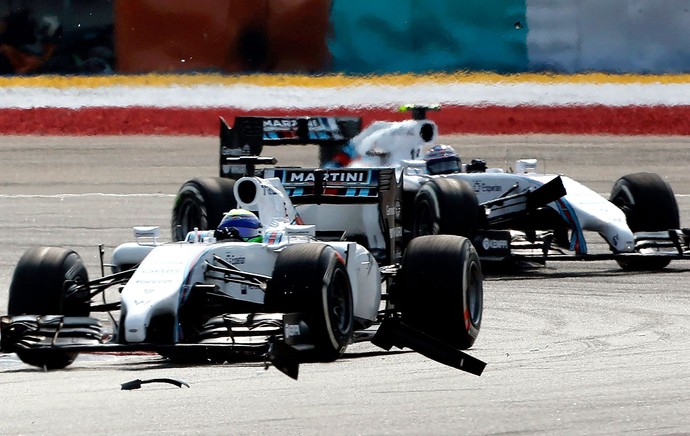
392, 192
262, 283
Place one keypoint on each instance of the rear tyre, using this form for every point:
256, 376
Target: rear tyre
445, 206
439, 289
44, 283
200, 203
649, 204
312, 279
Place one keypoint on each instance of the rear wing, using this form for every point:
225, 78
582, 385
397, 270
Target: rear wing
250, 133
375, 188
334, 186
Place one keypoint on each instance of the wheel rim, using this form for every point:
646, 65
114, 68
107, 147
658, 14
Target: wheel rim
474, 293
341, 305
624, 203
190, 217
423, 220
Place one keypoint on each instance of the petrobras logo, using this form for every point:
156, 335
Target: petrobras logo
494, 244
332, 177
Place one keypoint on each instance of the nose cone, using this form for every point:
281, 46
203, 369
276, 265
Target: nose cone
623, 240
136, 323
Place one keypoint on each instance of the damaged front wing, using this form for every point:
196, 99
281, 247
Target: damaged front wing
279, 338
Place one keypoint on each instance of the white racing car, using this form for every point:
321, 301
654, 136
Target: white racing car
524, 214
218, 293
509, 216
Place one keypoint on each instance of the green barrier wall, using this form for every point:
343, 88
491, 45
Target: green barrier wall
389, 36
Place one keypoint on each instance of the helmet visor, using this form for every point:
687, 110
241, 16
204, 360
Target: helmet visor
443, 166
247, 227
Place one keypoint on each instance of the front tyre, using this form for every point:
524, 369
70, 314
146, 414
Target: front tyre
200, 203
445, 206
649, 205
439, 289
45, 283
311, 278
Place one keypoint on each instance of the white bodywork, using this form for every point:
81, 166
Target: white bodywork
167, 272
386, 143
582, 208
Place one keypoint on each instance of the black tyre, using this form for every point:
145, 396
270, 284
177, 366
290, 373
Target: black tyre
312, 279
649, 204
439, 289
201, 203
445, 206
44, 283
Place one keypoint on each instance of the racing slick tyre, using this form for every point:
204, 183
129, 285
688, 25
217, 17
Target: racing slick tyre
44, 283
312, 279
445, 206
201, 203
439, 289
649, 205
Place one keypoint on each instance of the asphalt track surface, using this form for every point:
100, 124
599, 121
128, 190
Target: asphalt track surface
572, 348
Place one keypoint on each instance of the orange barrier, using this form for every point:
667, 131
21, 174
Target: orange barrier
226, 35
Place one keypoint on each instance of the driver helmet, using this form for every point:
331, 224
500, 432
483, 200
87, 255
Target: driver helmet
240, 224
442, 159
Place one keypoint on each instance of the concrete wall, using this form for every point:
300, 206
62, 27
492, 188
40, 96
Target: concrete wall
620, 36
